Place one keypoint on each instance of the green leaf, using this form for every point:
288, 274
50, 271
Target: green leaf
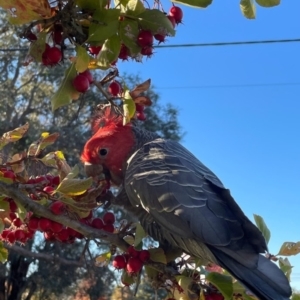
128, 108
222, 282
286, 267
248, 8
107, 15
289, 248
3, 253
74, 187
268, 3
2, 225
37, 48
151, 272
91, 4
260, 223
134, 7
82, 59
22, 212
127, 279
66, 92
105, 25
129, 30
4, 206
109, 52
158, 255
139, 234
156, 21
195, 3
13, 135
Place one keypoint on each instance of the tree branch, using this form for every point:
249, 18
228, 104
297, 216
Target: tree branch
44, 256
12, 191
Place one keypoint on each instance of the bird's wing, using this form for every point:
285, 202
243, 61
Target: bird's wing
186, 198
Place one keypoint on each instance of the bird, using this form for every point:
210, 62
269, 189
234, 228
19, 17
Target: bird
180, 202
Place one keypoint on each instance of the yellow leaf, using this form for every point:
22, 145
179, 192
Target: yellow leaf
13, 135
289, 248
45, 134
103, 259
24, 11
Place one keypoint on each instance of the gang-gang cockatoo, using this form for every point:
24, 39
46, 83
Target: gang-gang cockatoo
178, 200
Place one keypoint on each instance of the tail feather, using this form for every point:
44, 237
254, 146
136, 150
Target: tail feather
266, 281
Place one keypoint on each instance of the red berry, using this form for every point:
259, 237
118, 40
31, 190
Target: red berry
40, 179
64, 235
133, 252
95, 49
11, 238
56, 227
172, 20
51, 56
124, 52
176, 13
81, 83
109, 218
9, 174
12, 216
134, 265
144, 255
17, 222
33, 223
12, 205
141, 116
147, 51
114, 88
49, 236
97, 223
48, 189
44, 224
139, 107
119, 262
145, 38
58, 208
109, 228
30, 235
160, 38
4, 233
55, 180
33, 196
88, 75
31, 36
20, 235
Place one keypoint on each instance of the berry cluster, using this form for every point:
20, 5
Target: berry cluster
42, 188
132, 261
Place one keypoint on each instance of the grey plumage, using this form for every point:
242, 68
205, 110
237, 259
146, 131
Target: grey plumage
189, 207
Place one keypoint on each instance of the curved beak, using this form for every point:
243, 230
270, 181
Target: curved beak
92, 170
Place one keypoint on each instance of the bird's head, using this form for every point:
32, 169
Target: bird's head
110, 146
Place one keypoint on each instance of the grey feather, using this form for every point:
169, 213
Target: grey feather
191, 209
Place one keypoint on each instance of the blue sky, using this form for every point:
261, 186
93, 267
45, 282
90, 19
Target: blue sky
240, 106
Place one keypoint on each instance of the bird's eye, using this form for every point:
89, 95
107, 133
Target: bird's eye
103, 152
